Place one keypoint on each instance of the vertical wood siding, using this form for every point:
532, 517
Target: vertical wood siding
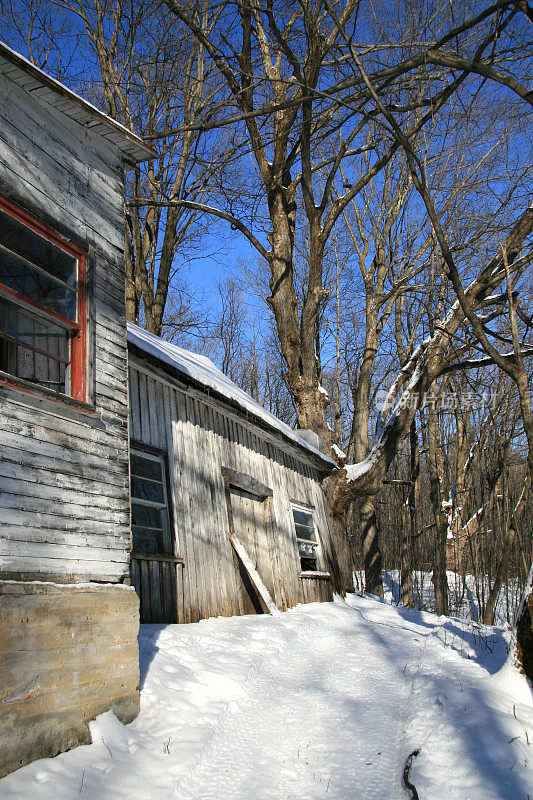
64, 495
201, 438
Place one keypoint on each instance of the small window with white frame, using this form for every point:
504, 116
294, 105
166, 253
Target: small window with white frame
150, 519
306, 537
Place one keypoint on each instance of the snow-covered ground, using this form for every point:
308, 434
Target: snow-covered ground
326, 701
466, 594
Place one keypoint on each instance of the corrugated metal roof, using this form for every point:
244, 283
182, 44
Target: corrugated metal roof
55, 94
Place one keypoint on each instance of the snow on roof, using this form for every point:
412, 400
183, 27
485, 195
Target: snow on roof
47, 89
203, 371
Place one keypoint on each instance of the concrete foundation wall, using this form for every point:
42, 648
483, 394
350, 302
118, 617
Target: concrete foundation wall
67, 654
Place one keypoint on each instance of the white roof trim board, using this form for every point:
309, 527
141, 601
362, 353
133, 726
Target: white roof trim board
55, 94
202, 370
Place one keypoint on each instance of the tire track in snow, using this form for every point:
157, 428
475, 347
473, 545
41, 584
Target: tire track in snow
460, 755
309, 726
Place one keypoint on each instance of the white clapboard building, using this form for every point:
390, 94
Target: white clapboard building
68, 619
226, 499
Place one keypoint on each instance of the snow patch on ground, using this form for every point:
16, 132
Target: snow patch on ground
466, 594
326, 701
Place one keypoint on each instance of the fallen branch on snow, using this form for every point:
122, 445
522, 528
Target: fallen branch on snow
408, 785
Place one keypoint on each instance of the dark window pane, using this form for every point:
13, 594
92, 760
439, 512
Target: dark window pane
33, 348
302, 518
147, 490
35, 285
305, 533
146, 467
22, 240
146, 516
308, 564
147, 540
8, 356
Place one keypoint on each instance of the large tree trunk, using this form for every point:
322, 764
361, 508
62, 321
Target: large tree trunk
522, 646
406, 562
490, 606
371, 551
439, 577
488, 614
409, 531
435, 464
369, 532
344, 536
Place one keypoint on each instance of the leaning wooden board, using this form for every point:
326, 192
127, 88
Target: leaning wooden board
262, 591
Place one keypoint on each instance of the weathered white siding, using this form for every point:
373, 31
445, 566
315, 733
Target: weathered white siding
202, 435
64, 505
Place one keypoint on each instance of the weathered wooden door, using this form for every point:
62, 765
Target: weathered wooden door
251, 526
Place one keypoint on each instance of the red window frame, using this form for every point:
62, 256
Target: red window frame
78, 329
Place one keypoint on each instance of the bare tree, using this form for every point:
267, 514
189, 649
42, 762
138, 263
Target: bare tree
144, 69
296, 78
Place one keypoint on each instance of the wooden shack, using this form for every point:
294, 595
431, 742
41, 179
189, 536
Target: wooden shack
68, 621
217, 482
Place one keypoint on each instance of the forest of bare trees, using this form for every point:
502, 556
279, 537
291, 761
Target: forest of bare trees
371, 164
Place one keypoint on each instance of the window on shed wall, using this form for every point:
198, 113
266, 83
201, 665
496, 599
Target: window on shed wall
306, 538
150, 519
42, 306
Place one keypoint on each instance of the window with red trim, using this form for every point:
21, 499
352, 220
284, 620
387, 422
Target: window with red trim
42, 306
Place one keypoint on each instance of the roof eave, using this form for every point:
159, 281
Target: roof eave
322, 463
131, 146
